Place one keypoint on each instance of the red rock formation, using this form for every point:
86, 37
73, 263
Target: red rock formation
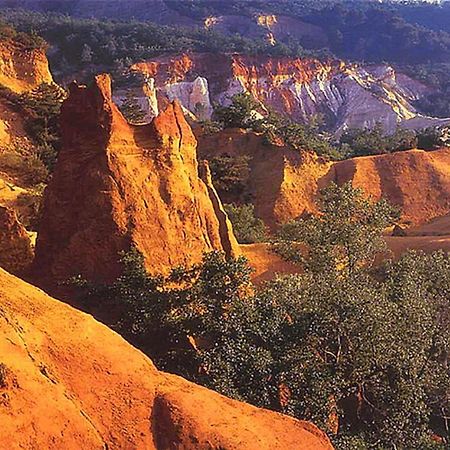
284, 184
21, 70
117, 185
68, 382
416, 181
16, 253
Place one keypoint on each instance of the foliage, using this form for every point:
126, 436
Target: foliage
131, 109
245, 112
23, 164
30, 41
300, 136
364, 141
433, 137
230, 175
113, 45
344, 237
240, 113
436, 101
41, 108
247, 228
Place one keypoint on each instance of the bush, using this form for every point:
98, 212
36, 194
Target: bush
362, 142
433, 138
230, 175
26, 166
247, 228
241, 113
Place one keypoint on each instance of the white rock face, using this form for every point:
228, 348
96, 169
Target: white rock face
348, 96
193, 96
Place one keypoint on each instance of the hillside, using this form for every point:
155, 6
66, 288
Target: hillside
66, 381
284, 183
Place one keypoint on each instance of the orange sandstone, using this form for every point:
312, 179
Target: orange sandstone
117, 185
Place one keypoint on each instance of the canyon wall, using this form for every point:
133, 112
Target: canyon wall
346, 95
284, 183
116, 185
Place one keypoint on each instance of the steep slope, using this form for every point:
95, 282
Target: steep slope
348, 95
69, 382
117, 185
418, 182
22, 69
284, 184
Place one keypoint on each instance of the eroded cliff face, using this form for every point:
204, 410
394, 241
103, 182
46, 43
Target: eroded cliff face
116, 185
22, 69
347, 95
284, 184
69, 382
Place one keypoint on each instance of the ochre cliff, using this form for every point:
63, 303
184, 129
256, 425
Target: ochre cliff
22, 69
416, 181
347, 95
116, 185
284, 184
68, 382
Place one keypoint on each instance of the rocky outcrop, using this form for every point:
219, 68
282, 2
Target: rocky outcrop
67, 381
347, 95
16, 252
22, 69
116, 185
416, 181
284, 184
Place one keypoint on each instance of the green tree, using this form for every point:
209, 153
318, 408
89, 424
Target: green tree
247, 228
345, 236
240, 113
361, 350
230, 175
131, 109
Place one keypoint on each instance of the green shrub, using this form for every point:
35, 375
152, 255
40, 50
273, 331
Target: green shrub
365, 141
26, 166
230, 175
247, 228
240, 113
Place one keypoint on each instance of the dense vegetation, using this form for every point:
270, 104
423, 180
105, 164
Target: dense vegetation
247, 228
361, 350
90, 45
414, 35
